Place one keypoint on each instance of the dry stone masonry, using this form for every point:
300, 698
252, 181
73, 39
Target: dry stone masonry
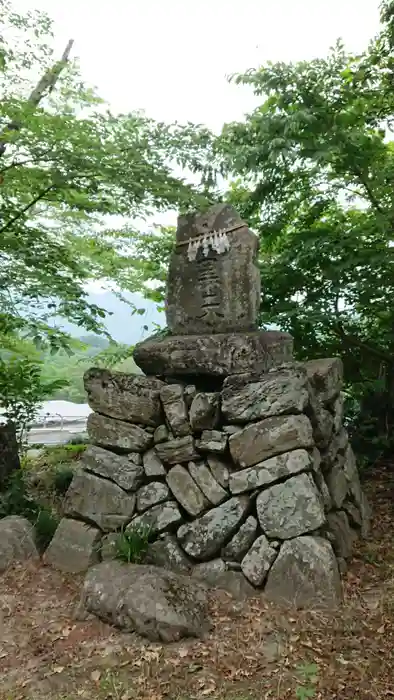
231, 454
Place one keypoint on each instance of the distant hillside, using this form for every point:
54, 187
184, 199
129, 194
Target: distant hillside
122, 326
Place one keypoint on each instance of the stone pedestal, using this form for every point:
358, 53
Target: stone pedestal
219, 355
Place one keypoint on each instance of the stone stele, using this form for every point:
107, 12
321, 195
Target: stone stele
218, 292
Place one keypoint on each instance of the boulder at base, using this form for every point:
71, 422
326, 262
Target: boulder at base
16, 541
305, 573
156, 603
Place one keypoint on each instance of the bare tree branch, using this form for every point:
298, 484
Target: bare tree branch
44, 86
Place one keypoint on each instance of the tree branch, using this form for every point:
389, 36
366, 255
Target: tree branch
45, 85
31, 204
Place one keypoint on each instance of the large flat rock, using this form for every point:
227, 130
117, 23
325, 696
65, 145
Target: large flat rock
16, 541
270, 437
74, 547
130, 397
154, 602
118, 468
117, 434
98, 501
217, 355
271, 470
305, 574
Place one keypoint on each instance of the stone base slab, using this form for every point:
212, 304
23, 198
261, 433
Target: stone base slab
219, 355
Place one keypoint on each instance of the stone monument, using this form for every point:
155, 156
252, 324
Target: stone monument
233, 456
212, 305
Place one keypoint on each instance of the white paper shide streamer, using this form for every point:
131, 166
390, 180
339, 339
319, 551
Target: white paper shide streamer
217, 241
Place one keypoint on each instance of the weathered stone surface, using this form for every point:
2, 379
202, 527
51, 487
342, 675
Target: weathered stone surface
119, 469
152, 494
204, 537
16, 541
275, 394
98, 501
324, 490
214, 292
243, 539
117, 434
74, 547
270, 437
165, 516
204, 411
189, 392
326, 377
337, 446
353, 513
271, 470
160, 434
305, 573
209, 570
322, 422
213, 441
152, 464
219, 470
135, 457
339, 412
175, 409
217, 355
109, 546
208, 485
343, 535
178, 450
186, 491
166, 552
337, 483
257, 561
9, 457
130, 397
290, 509
156, 603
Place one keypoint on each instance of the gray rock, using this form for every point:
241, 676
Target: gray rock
219, 470
74, 547
152, 464
243, 539
257, 561
339, 412
343, 535
305, 574
160, 434
275, 394
186, 491
189, 392
208, 571
271, 470
270, 437
135, 457
98, 501
119, 469
208, 485
212, 441
156, 603
337, 447
164, 516
231, 429
175, 409
353, 513
322, 422
213, 293
178, 450
117, 434
204, 411
323, 488
166, 552
337, 483
109, 546
16, 541
152, 494
218, 354
290, 509
130, 397
326, 377
203, 538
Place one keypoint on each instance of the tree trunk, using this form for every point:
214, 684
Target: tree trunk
9, 457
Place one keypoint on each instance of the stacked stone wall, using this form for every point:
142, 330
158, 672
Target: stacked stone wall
258, 478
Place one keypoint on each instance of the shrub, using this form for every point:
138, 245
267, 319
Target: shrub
62, 479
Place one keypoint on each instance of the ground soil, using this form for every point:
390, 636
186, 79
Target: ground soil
254, 651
